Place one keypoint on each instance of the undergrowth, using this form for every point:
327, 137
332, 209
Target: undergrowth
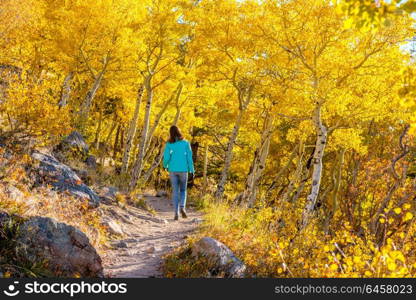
271, 244
40, 201
12, 265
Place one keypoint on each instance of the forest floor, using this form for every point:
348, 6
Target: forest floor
147, 238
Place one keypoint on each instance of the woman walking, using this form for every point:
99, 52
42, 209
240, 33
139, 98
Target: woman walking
177, 159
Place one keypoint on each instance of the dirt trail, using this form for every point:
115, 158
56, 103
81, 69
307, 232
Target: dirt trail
147, 238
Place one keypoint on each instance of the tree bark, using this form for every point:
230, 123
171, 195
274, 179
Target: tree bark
282, 171
321, 139
116, 139
98, 131
244, 97
156, 163
85, 111
66, 90
153, 143
132, 131
113, 126
178, 110
298, 174
205, 177
138, 165
249, 194
229, 155
304, 178
176, 96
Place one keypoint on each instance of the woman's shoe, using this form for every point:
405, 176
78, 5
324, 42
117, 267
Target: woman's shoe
176, 217
183, 213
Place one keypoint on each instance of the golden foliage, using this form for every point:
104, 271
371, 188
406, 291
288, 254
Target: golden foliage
289, 58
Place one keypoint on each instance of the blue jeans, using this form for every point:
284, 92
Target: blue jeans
179, 180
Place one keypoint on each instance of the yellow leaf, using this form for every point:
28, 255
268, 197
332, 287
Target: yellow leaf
408, 216
348, 23
391, 266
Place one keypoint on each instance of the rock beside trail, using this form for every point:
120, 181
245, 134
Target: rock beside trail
112, 226
120, 244
84, 175
14, 193
72, 147
91, 162
5, 220
62, 249
61, 177
161, 194
220, 258
151, 250
108, 194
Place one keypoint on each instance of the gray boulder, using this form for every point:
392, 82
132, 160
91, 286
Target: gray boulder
91, 162
61, 177
161, 194
83, 174
220, 258
63, 249
72, 147
112, 226
5, 220
14, 193
109, 194
121, 244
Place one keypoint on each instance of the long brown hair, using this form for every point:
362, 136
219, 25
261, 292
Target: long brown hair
175, 134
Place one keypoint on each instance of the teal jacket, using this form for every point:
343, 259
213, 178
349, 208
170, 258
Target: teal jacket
177, 157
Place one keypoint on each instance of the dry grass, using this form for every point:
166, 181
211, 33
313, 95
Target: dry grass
140, 202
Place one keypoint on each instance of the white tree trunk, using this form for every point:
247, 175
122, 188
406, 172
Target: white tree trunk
89, 97
249, 195
229, 155
138, 165
321, 132
176, 95
297, 178
260, 160
205, 168
132, 131
156, 162
159, 156
244, 98
66, 90
178, 109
